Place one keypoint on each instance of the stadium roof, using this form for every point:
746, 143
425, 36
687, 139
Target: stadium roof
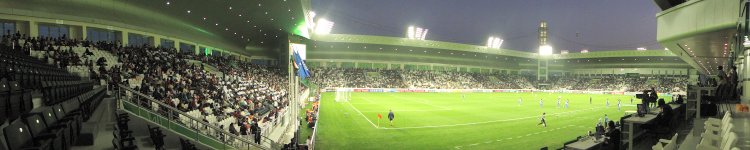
228, 24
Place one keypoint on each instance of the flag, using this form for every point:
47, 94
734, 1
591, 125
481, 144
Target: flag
380, 116
301, 67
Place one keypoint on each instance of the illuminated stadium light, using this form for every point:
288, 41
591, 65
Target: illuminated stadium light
545, 50
585, 51
416, 33
323, 26
494, 42
564, 52
666, 49
641, 49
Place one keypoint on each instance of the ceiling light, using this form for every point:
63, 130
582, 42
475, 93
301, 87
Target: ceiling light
230, 7
188, 11
168, 3
216, 24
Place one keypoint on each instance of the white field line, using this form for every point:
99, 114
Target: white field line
363, 115
441, 107
484, 122
412, 110
517, 137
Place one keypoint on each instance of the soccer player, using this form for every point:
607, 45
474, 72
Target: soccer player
590, 100
390, 117
558, 102
619, 104
543, 122
607, 102
567, 102
463, 97
519, 101
541, 103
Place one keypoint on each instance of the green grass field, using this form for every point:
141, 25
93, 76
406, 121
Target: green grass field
447, 121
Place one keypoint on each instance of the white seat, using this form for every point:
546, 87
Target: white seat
666, 144
714, 122
726, 143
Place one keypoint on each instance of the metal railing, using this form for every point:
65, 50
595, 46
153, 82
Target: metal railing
188, 126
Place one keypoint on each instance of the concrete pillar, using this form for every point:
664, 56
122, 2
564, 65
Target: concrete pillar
84, 32
124, 37
76, 32
745, 79
156, 41
176, 45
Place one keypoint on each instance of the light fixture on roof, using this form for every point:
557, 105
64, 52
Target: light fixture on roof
168, 3
584, 51
416, 33
564, 52
494, 42
641, 49
323, 26
188, 11
230, 7
545, 50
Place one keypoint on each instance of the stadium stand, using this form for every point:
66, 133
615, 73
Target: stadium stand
372, 78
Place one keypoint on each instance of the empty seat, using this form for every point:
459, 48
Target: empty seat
38, 127
18, 136
4, 103
51, 119
16, 101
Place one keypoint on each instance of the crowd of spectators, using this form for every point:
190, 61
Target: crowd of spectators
254, 96
374, 78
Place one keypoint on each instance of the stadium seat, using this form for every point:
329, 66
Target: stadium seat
50, 118
18, 136
38, 127
726, 143
16, 100
666, 144
4, 103
713, 122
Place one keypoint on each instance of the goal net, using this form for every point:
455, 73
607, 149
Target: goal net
343, 95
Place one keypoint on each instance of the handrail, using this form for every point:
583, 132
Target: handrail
171, 111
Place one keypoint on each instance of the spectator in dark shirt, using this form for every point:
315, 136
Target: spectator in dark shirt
666, 114
613, 137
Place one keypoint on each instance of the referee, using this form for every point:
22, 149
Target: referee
390, 116
543, 122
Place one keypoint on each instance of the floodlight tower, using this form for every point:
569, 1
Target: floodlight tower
545, 52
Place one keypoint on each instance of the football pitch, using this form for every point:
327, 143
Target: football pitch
461, 120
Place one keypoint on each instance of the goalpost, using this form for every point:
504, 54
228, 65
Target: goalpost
343, 95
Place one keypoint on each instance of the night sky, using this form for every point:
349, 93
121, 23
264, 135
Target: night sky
573, 24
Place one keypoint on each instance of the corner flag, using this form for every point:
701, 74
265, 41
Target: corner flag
379, 117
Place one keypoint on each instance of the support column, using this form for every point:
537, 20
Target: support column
30, 28
157, 41
745, 80
84, 34
124, 37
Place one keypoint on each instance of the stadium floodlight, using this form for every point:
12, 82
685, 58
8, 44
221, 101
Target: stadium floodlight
641, 49
410, 32
666, 49
545, 50
494, 42
564, 52
323, 26
584, 51
416, 33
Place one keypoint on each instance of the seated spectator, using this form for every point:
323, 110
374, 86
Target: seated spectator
613, 137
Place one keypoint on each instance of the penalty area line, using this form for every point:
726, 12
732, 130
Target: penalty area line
363, 115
